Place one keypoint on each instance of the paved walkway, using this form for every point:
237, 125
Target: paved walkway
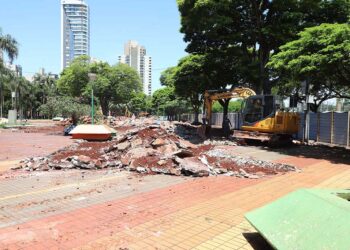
205, 213
17, 145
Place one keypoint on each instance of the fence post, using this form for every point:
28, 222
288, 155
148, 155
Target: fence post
332, 127
318, 126
348, 137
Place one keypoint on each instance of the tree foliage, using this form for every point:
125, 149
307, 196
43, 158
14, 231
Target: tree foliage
167, 77
140, 102
166, 102
247, 32
9, 45
190, 80
113, 87
321, 56
234, 106
65, 106
74, 78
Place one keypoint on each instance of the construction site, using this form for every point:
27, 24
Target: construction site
153, 184
180, 125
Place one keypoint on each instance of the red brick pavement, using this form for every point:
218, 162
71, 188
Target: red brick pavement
87, 224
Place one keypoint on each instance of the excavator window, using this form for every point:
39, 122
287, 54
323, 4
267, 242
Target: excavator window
253, 109
257, 108
268, 105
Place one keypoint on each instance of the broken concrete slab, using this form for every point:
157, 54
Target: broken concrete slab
191, 166
123, 146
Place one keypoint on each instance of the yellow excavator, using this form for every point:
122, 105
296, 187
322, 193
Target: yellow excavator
263, 117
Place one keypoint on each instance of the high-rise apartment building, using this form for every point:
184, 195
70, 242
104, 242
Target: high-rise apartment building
136, 57
75, 30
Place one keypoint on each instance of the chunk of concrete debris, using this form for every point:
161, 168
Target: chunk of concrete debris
162, 162
136, 143
191, 166
158, 142
84, 159
141, 170
185, 144
123, 146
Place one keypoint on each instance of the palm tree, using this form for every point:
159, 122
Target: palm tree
9, 45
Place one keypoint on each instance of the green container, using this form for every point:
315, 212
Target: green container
306, 219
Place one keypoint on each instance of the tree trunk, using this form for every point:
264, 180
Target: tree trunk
224, 104
196, 115
104, 106
74, 119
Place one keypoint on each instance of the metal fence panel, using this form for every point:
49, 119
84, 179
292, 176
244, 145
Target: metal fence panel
340, 136
312, 129
325, 127
235, 120
301, 127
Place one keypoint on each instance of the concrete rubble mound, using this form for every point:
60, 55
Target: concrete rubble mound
146, 146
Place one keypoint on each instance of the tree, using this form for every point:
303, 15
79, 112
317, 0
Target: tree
234, 106
101, 85
162, 96
9, 45
44, 86
125, 83
166, 102
320, 56
248, 32
190, 81
167, 77
175, 108
140, 103
65, 106
74, 78
114, 85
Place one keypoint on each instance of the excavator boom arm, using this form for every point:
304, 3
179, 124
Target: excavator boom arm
214, 95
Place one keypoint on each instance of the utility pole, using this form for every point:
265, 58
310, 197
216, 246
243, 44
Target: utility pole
306, 114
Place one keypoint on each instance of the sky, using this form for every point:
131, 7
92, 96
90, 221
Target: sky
35, 24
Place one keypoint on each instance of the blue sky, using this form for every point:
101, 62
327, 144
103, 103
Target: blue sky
36, 26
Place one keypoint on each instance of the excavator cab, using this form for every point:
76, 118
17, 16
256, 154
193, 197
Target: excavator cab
258, 107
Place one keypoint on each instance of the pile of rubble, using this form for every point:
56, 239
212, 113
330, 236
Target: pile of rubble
82, 120
149, 148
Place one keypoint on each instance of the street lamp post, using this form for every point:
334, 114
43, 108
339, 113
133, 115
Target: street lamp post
92, 77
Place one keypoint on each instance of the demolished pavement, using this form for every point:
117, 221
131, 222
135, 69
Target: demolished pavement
145, 147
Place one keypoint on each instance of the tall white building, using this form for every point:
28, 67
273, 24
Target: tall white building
136, 57
75, 30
